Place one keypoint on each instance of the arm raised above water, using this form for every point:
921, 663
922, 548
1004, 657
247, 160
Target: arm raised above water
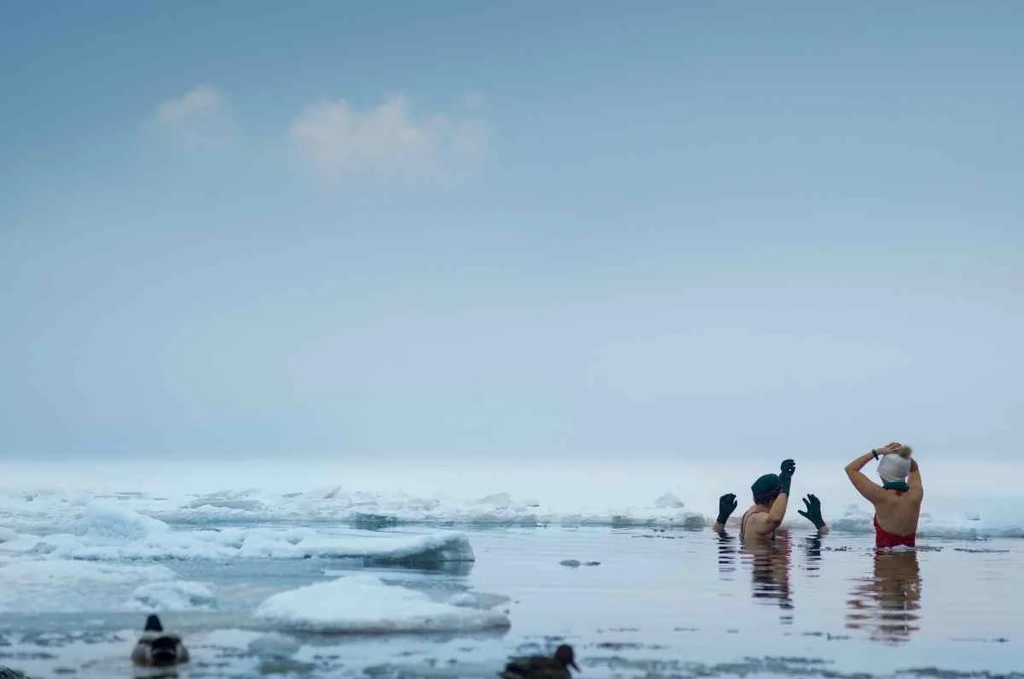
916, 491
726, 506
812, 513
871, 491
763, 523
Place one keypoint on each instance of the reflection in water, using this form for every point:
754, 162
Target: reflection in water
726, 555
770, 562
887, 604
813, 546
769, 567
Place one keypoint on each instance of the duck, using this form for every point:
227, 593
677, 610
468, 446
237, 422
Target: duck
543, 667
157, 648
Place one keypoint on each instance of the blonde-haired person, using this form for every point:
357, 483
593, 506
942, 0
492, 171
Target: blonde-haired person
897, 501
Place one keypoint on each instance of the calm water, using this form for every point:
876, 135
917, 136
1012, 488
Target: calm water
660, 603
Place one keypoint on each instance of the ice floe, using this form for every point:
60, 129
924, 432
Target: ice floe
174, 595
110, 533
364, 604
57, 585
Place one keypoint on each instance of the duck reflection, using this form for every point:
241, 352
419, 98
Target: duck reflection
887, 603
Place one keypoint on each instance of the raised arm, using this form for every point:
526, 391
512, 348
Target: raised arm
778, 511
765, 522
812, 513
871, 491
914, 481
726, 506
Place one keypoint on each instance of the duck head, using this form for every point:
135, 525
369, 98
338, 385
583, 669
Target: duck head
565, 655
153, 624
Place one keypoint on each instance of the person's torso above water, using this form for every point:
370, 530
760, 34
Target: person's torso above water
899, 513
747, 534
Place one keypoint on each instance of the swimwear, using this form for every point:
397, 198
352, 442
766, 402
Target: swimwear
743, 524
883, 538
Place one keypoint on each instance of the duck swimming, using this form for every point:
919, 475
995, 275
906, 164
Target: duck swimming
543, 667
157, 648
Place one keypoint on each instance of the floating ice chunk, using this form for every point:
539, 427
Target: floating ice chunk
463, 599
364, 604
21, 543
429, 550
478, 599
55, 571
110, 521
241, 500
56, 585
378, 550
497, 500
274, 646
175, 595
668, 501
235, 639
406, 550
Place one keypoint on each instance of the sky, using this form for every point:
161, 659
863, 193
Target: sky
490, 231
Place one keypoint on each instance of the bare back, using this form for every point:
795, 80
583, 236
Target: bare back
753, 526
898, 512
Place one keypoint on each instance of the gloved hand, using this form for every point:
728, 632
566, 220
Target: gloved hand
786, 478
813, 513
726, 506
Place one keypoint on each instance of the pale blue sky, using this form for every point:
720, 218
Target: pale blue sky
471, 229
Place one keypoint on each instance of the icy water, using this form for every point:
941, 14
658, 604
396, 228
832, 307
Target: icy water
443, 573
643, 602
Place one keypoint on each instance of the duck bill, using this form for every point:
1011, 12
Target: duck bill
573, 665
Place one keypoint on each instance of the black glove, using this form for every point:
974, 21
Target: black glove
813, 513
726, 506
786, 478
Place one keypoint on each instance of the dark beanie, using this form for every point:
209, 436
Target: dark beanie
765, 487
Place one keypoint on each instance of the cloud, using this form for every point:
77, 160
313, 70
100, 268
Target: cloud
386, 142
195, 103
198, 118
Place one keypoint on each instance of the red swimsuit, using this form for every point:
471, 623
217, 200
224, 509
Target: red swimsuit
884, 538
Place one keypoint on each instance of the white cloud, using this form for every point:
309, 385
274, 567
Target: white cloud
197, 102
198, 118
386, 142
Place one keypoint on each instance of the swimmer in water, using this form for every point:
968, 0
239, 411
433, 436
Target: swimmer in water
898, 500
771, 499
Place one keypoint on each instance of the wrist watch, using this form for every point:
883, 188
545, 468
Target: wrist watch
875, 453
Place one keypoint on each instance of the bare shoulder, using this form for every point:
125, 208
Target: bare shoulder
761, 522
889, 500
913, 497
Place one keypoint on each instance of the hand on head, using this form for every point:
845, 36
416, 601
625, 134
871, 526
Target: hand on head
895, 448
